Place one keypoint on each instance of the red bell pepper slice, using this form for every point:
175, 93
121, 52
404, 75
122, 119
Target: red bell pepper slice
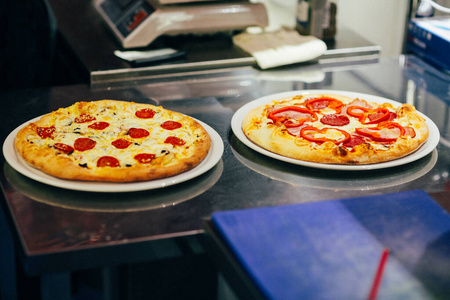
278, 116
369, 116
325, 102
392, 131
309, 132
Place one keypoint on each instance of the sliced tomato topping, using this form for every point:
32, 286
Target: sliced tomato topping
144, 158
83, 118
145, 113
99, 125
171, 125
137, 133
369, 116
385, 132
83, 144
319, 136
63, 148
292, 116
175, 141
121, 143
108, 161
325, 102
45, 132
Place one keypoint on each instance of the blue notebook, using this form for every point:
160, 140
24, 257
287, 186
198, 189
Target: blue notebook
331, 249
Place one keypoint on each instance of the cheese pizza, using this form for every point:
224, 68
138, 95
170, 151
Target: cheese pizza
113, 141
335, 129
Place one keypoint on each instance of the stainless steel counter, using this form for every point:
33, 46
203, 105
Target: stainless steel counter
91, 44
59, 230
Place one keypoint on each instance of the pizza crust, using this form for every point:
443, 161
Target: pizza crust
275, 138
171, 160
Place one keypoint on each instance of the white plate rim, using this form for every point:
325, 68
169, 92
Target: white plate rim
425, 149
16, 162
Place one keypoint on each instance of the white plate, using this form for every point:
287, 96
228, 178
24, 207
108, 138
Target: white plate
238, 117
20, 166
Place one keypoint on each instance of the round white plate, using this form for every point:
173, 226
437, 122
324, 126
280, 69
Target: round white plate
238, 117
22, 167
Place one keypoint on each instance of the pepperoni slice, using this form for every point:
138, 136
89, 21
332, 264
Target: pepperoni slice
99, 125
108, 161
83, 118
45, 132
378, 115
335, 120
325, 102
171, 125
175, 141
145, 113
121, 143
354, 141
63, 148
83, 144
144, 158
137, 133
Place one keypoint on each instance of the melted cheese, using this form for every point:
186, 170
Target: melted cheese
67, 131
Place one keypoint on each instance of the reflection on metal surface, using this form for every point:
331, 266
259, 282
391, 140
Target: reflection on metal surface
113, 202
328, 179
445, 142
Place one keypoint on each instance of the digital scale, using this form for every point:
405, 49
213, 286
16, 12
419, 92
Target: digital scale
137, 23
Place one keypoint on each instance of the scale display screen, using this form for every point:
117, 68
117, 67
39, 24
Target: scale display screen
137, 23
126, 15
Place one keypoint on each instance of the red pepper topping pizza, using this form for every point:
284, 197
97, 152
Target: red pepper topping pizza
334, 129
114, 141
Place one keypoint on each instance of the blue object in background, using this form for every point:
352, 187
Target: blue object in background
331, 249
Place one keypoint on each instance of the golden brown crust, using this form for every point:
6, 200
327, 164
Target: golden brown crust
169, 159
274, 136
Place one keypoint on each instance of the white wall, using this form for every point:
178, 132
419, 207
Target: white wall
379, 21
382, 22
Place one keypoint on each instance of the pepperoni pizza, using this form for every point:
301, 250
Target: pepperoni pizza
115, 141
334, 129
